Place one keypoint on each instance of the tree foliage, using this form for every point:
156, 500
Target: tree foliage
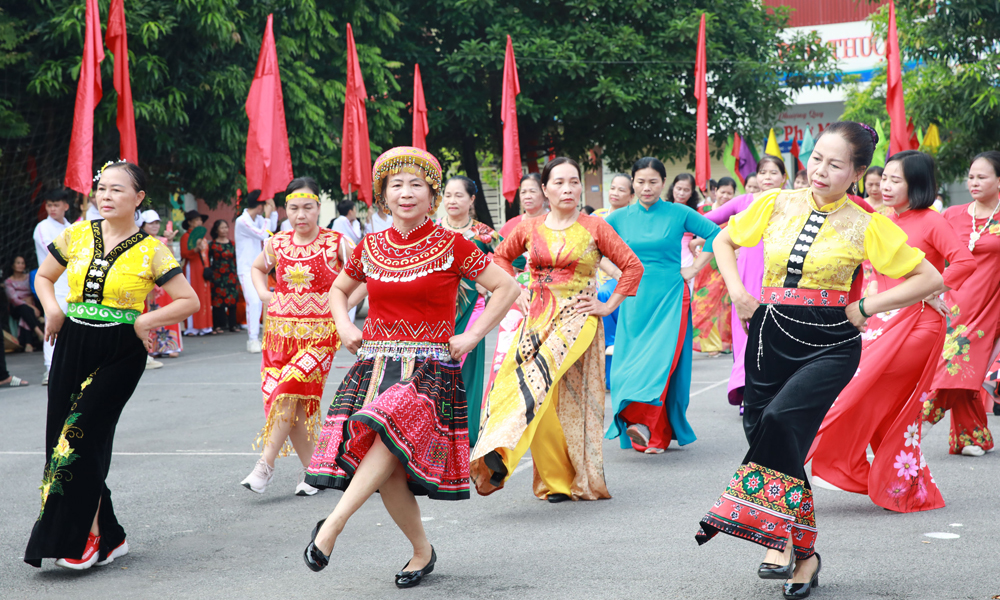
956, 83
610, 74
191, 63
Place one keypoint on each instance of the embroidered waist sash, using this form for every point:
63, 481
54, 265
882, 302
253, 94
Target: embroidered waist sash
803, 297
98, 312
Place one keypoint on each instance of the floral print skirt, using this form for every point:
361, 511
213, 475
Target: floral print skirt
790, 387
94, 372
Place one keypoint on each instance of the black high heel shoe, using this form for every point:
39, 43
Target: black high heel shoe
408, 579
773, 571
314, 557
795, 591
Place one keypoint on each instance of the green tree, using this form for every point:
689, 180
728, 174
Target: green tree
956, 83
191, 63
611, 74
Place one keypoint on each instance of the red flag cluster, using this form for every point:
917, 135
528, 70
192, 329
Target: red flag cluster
901, 134
89, 91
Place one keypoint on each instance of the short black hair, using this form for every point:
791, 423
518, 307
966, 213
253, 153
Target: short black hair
990, 156
560, 160
728, 181
252, 197
134, 171
303, 182
631, 188
214, 233
60, 195
802, 173
344, 207
470, 186
695, 192
588, 209
769, 159
649, 162
918, 171
713, 184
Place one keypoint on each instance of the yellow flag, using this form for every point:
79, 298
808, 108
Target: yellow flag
772, 146
932, 139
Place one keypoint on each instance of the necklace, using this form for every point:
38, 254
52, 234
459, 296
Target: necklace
975, 235
406, 235
448, 224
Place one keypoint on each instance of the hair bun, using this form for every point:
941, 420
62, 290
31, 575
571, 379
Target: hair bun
872, 133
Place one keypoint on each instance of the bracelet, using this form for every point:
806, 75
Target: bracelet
861, 308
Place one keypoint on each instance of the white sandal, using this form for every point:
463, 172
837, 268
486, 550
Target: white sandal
15, 381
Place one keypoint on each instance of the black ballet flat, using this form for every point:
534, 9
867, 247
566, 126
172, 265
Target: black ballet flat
314, 557
556, 498
408, 579
802, 590
773, 571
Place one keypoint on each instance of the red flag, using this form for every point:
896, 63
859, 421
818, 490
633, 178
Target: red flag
356, 151
420, 128
118, 44
80, 166
269, 161
508, 115
795, 154
702, 166
894, 104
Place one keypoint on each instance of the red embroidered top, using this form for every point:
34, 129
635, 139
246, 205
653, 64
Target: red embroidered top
299, 311
413, 281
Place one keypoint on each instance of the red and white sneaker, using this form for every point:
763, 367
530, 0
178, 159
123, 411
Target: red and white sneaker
90, 554
118, 552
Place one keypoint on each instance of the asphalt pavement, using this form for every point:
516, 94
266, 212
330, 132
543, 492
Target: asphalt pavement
184, 443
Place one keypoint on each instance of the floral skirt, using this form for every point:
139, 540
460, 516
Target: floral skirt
94, 372
416, 405
790, 387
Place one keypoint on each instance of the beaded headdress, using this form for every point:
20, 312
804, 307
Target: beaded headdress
406, 159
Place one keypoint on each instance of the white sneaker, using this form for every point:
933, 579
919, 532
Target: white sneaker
258, 479
253, 346
639, 434
45, 378
303, 488
971, 450
118, 552
152, 364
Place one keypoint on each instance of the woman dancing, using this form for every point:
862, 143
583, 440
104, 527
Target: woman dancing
882, 405
398, 421
549, 393
973, 316
300, 338
749, 263
101, 355
804, 343
651, 380
459, 196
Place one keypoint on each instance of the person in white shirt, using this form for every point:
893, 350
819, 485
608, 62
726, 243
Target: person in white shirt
252, 230
56, 205
347, 224
377, 221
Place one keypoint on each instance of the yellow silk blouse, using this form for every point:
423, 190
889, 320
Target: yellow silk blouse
849, 236
123, 278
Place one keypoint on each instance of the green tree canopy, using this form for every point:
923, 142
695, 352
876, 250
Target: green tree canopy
610, 74
956, 83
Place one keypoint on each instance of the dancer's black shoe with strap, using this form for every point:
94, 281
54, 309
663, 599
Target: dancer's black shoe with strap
793, 591
408, 579
773, 571
314, 557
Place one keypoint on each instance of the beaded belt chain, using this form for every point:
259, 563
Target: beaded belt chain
771, 297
